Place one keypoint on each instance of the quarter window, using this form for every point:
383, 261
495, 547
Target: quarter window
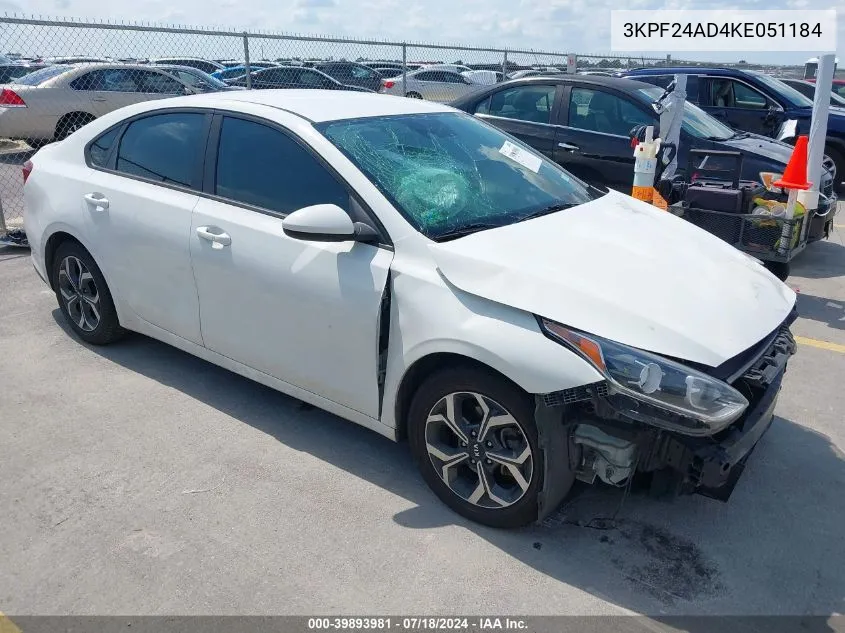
163, 147
100, 148
260, 166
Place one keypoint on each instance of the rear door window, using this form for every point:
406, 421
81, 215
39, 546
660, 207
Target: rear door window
165, 148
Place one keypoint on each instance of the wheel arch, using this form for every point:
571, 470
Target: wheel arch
51, 245
65, 118
426, 366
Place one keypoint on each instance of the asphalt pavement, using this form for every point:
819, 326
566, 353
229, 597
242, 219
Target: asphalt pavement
137, 479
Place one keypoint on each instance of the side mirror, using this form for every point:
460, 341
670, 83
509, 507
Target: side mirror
326, 223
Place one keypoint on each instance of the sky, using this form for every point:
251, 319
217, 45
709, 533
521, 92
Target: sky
544, 25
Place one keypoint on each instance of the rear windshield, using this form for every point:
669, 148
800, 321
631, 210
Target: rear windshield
38, 77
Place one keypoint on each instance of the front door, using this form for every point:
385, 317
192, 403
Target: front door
594, 140
304, 312
739, 105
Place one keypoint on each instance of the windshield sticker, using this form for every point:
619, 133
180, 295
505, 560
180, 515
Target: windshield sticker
519, 155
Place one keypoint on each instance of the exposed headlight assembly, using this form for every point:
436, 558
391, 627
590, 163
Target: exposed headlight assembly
709, 404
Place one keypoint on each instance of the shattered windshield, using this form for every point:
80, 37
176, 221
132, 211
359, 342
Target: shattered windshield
450, 174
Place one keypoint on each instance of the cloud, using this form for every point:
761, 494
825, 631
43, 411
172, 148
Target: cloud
548, 25
6, 6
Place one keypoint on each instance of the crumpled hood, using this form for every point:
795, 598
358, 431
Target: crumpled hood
624, 270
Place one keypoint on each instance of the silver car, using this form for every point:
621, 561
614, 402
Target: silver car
433, 85
51, 103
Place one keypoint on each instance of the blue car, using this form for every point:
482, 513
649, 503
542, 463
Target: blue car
751, 101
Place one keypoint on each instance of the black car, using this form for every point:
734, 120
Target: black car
351, 74
585, 123
808, 89
10, 72
292, 77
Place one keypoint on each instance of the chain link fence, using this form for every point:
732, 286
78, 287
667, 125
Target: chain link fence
56, 76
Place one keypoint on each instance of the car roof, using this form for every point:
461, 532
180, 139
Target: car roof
315, 105
684, 70
618, 83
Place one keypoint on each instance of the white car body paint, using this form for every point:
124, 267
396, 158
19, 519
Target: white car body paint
626, 271
592, 267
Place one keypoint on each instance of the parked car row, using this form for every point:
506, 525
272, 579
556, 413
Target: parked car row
585, 123
752, 101
56, 100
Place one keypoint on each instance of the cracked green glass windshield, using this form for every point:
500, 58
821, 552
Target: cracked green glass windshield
449, 174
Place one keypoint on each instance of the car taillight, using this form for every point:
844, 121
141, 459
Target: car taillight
27, 170
388, 83
11, 99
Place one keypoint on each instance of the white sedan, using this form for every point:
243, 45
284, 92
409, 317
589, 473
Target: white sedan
412, 269
430, 84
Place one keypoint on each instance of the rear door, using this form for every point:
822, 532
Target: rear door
594, 138
526, 112
137, 201
107, 89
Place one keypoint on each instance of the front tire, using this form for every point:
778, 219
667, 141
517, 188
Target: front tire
83, 295
473, 436
838, 158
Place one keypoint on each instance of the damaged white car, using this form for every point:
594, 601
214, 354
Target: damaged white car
412, 269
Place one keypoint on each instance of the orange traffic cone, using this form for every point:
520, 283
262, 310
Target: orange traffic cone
795, 176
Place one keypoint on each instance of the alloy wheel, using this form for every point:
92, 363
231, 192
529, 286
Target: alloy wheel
79, 293
479, 450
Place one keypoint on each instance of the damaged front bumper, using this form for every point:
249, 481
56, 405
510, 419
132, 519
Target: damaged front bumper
585, 432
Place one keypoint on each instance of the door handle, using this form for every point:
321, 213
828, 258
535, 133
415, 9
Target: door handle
98, 98
218, 240
568, 147
97, 200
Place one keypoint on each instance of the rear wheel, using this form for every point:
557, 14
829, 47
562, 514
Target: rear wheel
83, 296
69, 123
473, 436
413, 95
